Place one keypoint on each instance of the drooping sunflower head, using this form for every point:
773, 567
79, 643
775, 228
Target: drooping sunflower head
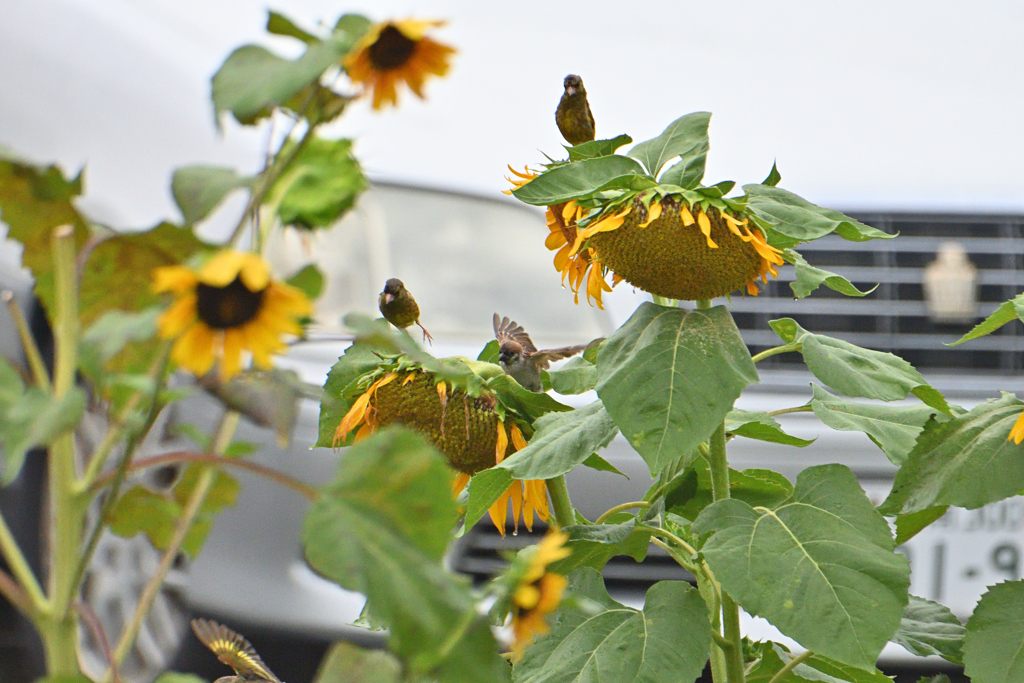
226, 308
393, 52
535, 592
464, 418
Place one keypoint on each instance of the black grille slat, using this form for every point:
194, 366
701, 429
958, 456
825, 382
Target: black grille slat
895, 316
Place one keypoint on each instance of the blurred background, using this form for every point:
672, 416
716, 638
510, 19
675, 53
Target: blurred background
871, 106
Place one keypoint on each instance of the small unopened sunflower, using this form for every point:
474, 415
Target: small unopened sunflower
227, 307
538, 592
396, 51
467, 429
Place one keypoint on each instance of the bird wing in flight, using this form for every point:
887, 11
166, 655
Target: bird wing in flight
232, 649
510, 330
543, 358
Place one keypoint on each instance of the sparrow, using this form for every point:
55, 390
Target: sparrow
399, 308
573, 116
520, 359
235, 651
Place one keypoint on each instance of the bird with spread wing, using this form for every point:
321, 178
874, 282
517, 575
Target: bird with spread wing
520, 359
234, 650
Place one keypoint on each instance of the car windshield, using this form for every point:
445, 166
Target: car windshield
464, 258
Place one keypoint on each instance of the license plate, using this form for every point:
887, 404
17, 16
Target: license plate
954, 560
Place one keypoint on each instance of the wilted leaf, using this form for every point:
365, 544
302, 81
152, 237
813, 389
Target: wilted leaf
928, 628
760, 426
809, 278
270, 398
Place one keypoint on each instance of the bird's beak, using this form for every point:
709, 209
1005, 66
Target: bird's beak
570, 91
388, 297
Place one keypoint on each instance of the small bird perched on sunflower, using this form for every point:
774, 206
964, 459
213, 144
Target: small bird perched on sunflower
235, 651
573, 116
521, 359
399, 308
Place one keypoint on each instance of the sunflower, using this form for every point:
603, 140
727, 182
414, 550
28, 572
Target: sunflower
466, 429
1017, 433
396, 51
538, 591
229, 305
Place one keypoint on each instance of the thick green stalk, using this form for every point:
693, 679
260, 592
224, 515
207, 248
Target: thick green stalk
560, 502
665, 301
776, 350
730, 610
59, 628
19, 567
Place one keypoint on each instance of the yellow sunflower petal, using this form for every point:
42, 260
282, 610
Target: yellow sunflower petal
175, 279
194, 349
460, 483
231, 362
1017, 433
653, 213
502, 444
223, 268
687, 217
555, 240
499, 511
705, 227
517, 437
177, 317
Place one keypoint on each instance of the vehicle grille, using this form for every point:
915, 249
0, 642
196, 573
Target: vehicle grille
479, 555
895, 317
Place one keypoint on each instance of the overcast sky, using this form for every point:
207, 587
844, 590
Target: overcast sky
867, 104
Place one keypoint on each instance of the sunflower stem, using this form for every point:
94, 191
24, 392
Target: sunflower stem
639, 504
774, 351
221, 440
787, 411
665, 301
28, 343
790, 665
730, 610
703, 303
560, 501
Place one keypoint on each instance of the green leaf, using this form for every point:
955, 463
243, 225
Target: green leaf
280, 25
592, 545
198, 190
894, 429
994, 648
815, 669
490, 352
774, 177
968, 461
908, 526
36, 418
596, 462
254, 80
321, 184
597, 148
119, 273
820, 566
575, 377
513, 396
382, 528
669, 376
309, 280
484, 489
928, 628
348, 663
665, 643
575, 180
761, 426
1010, 310
109, 335
687, 138
334, 404
859, 372
801, 221
809, 278
690, 492
33, 201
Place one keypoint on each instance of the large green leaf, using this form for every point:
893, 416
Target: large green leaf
36, 418
928, 628
820, 566
198, 190
33, 201
562, 441
1009, 310
994, 648
809, 278
346, 662
894, 429
381, 528
575, 377
690, 492
280, 25
669, 376
687, 138
801, 221
968, 461
576, 180
761, 426
665, 643
253, 80
908, 526
334, 403
597, 148
859, 372
320, 186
